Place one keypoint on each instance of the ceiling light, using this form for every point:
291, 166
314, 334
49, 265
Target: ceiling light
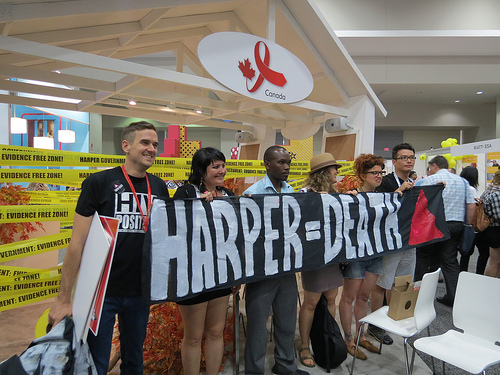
457, 101
18, 125
199, 110
66, 136
43, 142
132, 102
479, 92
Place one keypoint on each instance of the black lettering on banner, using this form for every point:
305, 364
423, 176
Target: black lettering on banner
193, 246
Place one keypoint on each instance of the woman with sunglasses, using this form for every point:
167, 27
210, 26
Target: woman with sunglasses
360, 276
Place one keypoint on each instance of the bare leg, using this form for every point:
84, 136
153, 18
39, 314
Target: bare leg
377, 298
331, 296
306, 316
388, 294
361, 303
493, 266
351, 287
193, 317
215, 322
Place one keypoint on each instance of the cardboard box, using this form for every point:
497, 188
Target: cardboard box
403, 298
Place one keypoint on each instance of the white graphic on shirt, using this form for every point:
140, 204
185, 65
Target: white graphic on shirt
128, 213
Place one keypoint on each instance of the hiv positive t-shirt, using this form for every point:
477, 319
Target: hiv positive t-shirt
109, 194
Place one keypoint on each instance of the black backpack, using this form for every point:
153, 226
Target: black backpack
329, 348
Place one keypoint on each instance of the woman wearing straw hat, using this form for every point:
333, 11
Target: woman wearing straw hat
322, 179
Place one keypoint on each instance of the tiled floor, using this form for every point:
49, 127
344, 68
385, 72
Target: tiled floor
17, 329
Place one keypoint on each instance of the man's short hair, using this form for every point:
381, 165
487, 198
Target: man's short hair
440, 161
401, 146
268, 154
128, 133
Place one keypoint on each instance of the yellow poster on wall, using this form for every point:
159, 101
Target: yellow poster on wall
492, 165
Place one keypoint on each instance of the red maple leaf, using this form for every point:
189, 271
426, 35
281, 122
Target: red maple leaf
245, 68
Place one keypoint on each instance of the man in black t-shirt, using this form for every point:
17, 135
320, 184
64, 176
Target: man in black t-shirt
403, 262
125, 193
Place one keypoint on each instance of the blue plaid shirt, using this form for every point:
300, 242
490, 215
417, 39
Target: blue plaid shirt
455, 194
265, 186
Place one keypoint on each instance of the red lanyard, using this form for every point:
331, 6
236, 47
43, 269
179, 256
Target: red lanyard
145, 218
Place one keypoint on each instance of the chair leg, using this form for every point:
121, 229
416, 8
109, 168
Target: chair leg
412, 360
405, 348
243, 324
356, 349
432, 358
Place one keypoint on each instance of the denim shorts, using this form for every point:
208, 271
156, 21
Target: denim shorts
357, 268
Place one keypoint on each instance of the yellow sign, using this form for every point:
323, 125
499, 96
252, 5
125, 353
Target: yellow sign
34, 246
22, 214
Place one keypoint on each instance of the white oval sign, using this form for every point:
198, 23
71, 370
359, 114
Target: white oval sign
255, 67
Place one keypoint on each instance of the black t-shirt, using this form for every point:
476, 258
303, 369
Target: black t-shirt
389, 184
109, 194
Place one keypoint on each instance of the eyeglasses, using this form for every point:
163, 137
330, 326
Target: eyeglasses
406, 158
377, 173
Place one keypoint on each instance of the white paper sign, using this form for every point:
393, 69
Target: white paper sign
95, 253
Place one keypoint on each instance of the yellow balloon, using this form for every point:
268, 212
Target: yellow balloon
41, 324
447, 156
423, 157
444, 144
452, 163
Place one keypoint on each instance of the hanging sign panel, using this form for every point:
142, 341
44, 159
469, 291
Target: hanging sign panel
255, 67
193, 246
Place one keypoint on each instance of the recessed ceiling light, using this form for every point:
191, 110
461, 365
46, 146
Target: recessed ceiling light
457, 101
479, 92
199, 110
132, 102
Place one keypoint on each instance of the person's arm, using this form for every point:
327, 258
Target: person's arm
471, 208
71, 265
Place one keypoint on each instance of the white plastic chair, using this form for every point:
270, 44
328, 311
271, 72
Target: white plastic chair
422, 318
476, 311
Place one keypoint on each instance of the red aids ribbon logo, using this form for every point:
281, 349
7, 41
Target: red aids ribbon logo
265, 72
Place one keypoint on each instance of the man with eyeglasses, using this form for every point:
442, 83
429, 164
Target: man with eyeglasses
403, 262
459, 206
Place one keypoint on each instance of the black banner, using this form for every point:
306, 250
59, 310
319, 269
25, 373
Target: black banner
193, 246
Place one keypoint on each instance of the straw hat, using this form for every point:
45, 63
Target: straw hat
322, 161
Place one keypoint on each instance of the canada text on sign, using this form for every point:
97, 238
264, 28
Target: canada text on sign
194, 246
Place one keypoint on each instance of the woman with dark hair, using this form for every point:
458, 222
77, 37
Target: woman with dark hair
491, 201
205, 313
471, 174
360, 276
325, 281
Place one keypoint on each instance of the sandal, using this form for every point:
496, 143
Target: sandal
304, 358
359, 354
369, 346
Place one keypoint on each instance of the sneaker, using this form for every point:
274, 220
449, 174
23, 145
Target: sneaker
377, 333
